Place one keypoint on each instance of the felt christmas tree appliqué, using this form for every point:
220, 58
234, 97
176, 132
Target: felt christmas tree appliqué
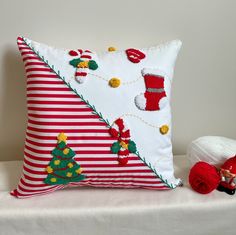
63, 169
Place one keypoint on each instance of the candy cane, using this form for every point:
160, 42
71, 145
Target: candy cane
119, 130
83, 63
82, 71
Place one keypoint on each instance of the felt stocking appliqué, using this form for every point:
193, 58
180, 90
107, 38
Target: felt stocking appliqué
83, 64
151, 99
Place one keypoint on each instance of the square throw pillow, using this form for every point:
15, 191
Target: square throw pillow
97, 119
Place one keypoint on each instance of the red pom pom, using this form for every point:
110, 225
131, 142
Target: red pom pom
204, 178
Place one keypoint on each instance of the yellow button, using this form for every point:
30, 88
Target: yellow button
53, 180
68, 174
79, 171
57, 162
70, 165
164, 129
111, 49
66, 151
115, 82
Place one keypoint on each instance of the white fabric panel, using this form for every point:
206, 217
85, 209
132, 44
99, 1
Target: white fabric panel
115, 211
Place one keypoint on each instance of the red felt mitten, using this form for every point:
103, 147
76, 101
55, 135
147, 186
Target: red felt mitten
204, 178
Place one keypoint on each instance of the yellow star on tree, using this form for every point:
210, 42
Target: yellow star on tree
61, 137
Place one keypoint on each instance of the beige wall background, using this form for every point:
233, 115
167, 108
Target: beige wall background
204, 95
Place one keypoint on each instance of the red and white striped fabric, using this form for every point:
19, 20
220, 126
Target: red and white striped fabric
54, 108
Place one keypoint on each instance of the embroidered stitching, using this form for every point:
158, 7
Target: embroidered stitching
123, 83
141, 119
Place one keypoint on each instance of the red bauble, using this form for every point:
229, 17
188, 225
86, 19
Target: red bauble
204, 178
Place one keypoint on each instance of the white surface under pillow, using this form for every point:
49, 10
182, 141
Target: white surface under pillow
94, 211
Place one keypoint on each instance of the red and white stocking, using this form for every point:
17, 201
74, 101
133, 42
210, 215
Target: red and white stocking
152, 98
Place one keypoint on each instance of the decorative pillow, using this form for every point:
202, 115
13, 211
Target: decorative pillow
97, 119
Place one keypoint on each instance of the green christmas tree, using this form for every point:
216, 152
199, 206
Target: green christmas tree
63, 169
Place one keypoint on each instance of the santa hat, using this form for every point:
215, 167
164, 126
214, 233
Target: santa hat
230, 165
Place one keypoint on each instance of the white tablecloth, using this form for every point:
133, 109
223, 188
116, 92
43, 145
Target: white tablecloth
85, 211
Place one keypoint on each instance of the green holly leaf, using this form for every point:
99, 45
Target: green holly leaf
75, 62
132, 146
115, 148
92, 65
